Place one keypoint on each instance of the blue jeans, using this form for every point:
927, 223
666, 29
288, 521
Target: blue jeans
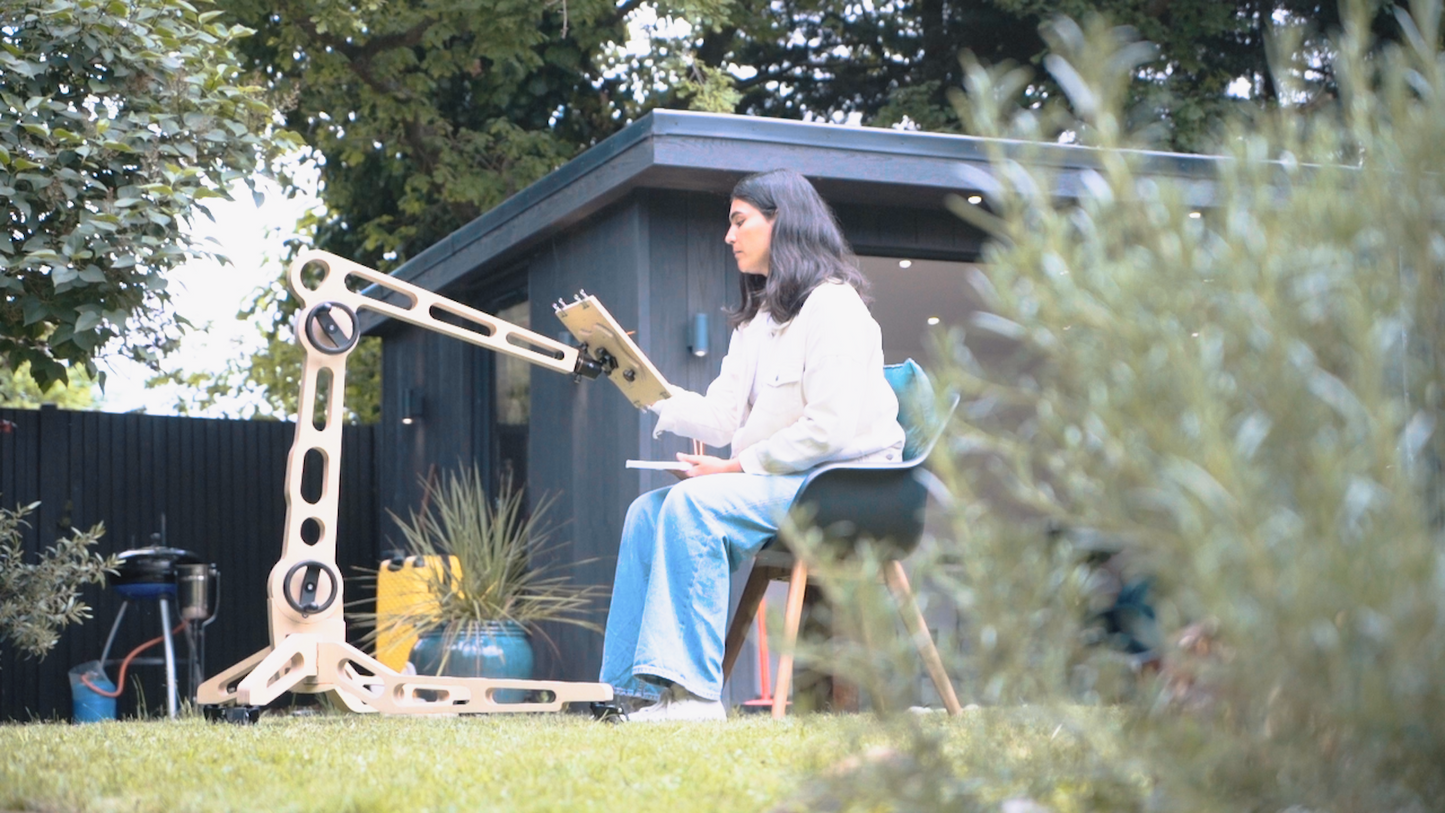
670, 598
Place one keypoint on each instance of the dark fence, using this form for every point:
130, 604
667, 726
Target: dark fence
214, 486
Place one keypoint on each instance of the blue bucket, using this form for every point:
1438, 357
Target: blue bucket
88, 706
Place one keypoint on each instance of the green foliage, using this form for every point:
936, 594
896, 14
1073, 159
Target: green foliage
425, 114
497, 573
709, 89
1205, 46
894, 61
38, 599
429, 113
1234, 375
19, 390
120, 118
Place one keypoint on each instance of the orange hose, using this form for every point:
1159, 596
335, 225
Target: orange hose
125, 664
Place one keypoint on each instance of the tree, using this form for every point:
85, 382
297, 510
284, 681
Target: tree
118, 119
19, 390
427, 114
882, 62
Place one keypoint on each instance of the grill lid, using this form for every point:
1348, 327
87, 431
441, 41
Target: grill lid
151, 565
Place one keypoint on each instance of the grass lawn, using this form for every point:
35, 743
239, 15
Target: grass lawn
521, 763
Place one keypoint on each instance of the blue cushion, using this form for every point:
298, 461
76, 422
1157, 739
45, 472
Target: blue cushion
916, 404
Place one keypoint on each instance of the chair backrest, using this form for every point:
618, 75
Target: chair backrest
917, 406
883, 501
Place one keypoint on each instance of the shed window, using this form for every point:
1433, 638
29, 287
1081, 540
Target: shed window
512, 405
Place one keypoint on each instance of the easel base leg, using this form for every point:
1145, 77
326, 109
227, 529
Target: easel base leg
363, 684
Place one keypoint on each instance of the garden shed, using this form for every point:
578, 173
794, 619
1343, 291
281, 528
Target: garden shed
638, 220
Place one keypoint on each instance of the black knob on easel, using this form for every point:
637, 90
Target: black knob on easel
329, 334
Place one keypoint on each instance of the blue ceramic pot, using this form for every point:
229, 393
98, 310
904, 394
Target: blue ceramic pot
497, 649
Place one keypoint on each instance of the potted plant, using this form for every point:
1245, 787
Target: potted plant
485, 591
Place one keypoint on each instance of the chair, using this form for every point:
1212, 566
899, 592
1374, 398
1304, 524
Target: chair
879, 501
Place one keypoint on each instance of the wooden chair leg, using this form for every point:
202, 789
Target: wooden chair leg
918, 629
791, 619
747, 609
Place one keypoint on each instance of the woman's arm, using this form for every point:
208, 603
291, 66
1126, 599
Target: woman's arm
710, 418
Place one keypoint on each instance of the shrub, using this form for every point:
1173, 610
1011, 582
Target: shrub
500, 568
38, 599
1234, 375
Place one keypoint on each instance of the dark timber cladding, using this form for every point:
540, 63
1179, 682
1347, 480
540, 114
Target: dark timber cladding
218, 485
639, 221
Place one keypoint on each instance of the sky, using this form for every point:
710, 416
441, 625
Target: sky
210, 295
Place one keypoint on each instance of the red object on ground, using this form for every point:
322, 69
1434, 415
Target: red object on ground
764, 702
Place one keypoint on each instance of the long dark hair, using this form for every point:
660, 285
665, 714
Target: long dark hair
807, 247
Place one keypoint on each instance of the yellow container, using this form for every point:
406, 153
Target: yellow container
401, 589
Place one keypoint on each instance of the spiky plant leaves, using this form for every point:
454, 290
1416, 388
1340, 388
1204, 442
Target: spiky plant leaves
495, 572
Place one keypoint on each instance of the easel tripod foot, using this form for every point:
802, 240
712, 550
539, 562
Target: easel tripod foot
309, 664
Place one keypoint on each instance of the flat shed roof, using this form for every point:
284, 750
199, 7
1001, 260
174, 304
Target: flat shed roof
671, 149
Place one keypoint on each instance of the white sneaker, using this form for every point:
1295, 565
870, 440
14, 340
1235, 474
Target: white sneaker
678, 703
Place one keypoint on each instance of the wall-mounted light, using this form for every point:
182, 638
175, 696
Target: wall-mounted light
412, 404
933, 320
905, 263
697, 335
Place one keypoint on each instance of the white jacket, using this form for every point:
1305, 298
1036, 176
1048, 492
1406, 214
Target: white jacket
827, 399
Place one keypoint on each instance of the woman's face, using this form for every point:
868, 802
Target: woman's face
750, 235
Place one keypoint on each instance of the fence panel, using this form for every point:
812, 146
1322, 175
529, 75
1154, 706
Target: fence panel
214, 487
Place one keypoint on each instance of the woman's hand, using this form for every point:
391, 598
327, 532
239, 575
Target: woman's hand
706, 464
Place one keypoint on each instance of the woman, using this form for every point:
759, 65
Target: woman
802, 384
